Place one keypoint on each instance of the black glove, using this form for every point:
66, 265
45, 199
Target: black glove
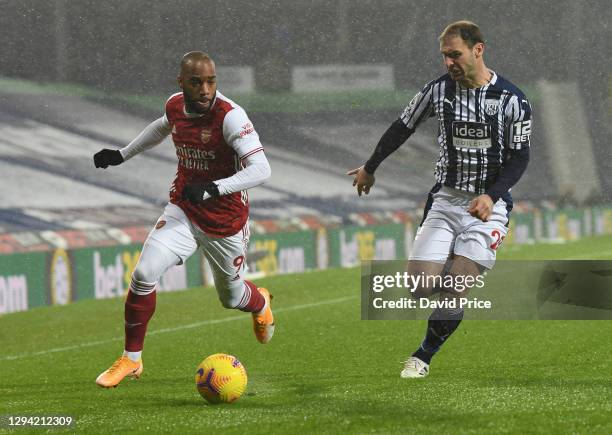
106, 158
195, 192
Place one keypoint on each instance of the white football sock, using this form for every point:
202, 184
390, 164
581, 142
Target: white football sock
133, 356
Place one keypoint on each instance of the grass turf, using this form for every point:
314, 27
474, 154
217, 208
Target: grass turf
325, 371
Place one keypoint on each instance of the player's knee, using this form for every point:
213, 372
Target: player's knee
153, 263
145, 273
141, 283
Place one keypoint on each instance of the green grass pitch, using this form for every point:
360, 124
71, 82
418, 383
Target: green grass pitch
325, 371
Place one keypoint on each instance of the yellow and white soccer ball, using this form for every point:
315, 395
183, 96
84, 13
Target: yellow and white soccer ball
221, 378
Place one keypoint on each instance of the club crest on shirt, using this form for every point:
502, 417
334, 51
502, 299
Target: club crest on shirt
160, 224
205, 135
491, 107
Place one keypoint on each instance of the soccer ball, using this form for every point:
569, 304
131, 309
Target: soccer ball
221, 378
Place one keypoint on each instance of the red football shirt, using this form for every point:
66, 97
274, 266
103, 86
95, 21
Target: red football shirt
211, 147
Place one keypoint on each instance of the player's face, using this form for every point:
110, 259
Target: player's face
198, 80
459, 59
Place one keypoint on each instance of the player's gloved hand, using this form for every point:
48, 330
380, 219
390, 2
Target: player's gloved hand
105, 158
197, 193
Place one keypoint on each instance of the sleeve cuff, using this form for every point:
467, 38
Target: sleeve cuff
370, 168
494, 196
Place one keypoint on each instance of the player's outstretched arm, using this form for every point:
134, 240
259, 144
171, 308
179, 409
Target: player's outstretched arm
152, 135
391, 140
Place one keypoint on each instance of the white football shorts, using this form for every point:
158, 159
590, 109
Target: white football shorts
449, 229
226, 255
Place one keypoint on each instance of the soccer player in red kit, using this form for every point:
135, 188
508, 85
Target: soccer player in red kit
219, 158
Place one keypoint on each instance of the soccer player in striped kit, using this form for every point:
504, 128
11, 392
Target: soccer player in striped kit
219, 158
484, 127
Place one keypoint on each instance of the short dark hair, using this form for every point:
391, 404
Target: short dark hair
466, 30
194, 56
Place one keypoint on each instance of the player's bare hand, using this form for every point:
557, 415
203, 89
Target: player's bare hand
481, 207
363, 180
105, 158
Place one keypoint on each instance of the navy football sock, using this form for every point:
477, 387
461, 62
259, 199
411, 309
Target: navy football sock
441, 324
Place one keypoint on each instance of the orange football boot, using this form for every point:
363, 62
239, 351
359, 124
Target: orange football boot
120, 369
263, 323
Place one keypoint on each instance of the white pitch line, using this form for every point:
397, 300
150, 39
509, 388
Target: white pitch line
177, 328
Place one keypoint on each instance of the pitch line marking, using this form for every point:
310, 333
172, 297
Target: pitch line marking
174, 329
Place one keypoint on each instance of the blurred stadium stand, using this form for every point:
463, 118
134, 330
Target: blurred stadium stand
47, 139
48, 142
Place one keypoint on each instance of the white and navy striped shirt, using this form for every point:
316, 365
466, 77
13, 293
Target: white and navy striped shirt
476, 128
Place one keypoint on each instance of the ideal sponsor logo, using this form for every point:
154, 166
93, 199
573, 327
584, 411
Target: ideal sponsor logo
471, 130
467, 134
13, 293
